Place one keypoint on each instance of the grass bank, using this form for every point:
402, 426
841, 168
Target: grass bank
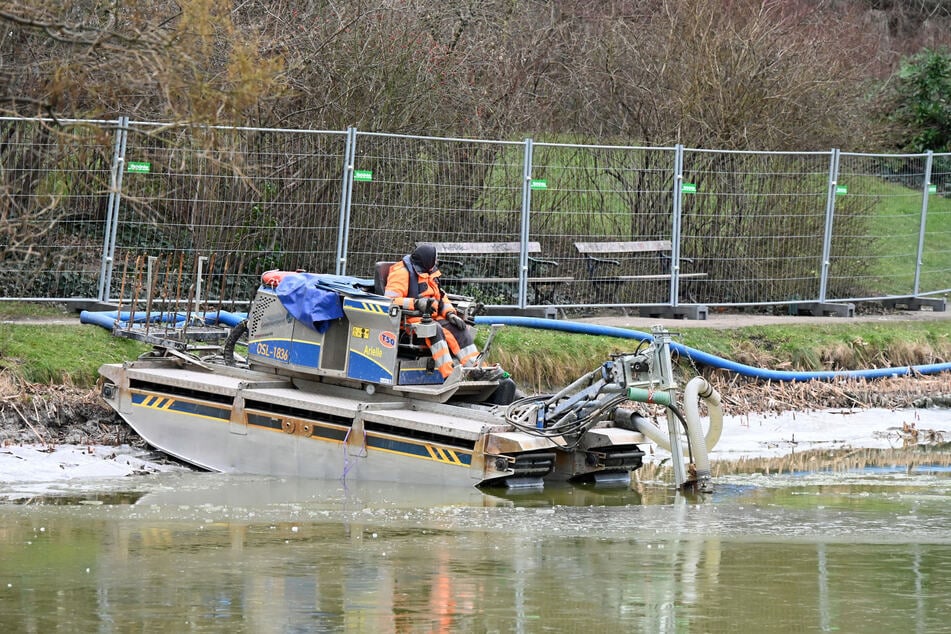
545, 359
49, 346
50, 350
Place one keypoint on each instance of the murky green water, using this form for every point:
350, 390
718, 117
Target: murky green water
867, 552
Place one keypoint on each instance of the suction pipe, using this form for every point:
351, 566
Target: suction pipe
698, 388
629, 419
700, 445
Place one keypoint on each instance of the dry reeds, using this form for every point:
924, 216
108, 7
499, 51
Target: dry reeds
907, 459
743, 396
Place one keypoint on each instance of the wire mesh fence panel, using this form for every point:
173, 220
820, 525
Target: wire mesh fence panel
876, 226
408, 190
55, 179
936, 252
202, 210
753, 222
250, 200
601, 196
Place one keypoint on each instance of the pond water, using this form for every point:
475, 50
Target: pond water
866, 550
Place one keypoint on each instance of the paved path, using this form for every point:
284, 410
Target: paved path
739, 320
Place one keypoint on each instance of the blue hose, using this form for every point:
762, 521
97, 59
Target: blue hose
107, 319
709, 359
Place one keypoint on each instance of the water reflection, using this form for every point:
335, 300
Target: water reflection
66, 498
199, 552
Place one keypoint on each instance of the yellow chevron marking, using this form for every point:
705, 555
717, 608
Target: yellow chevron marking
154, 401
370, 307
447, 456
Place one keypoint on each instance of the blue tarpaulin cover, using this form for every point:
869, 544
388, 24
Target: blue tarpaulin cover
306, 300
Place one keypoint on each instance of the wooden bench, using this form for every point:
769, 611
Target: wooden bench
595, 252
543, 285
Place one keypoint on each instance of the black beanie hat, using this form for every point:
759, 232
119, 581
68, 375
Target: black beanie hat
424, 258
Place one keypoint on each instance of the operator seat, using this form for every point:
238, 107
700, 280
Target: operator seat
408, 346
381, 270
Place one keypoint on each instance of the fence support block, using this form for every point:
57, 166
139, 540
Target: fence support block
681, 311
823, 309
937, 304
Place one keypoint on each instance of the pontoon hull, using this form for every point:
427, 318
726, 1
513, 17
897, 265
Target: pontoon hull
239, 421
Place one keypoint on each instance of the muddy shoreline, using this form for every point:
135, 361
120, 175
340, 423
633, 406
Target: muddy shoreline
61, 414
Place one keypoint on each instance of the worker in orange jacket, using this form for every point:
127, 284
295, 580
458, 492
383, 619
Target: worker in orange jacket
413, 284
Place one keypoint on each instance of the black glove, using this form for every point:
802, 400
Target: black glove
456, 321
426, 305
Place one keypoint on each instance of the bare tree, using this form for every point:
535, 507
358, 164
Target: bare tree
742, 74
763, 73
179, 61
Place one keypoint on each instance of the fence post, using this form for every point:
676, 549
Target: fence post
112, 209
525, 224
830, 212
346, 193
675, 225
924, 219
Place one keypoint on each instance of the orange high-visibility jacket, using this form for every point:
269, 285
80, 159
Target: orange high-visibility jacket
398, 289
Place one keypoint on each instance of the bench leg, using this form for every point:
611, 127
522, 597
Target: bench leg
606, 291
548, 292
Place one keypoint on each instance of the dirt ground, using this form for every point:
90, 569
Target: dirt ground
58, 414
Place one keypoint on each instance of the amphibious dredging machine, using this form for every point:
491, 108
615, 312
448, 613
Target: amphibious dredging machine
336, 384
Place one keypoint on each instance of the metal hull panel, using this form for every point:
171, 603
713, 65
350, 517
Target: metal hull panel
254, 422
208, 442
223, 422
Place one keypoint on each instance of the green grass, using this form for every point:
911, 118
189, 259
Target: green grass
896, 217
61, 354
28, 310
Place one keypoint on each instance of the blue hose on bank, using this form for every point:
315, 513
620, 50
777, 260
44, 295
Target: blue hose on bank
709, 359
108, 318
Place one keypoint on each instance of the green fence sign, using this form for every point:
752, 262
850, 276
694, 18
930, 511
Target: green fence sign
688, 188
932, 189
363, 175
841, 190
537, 183
139, 167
